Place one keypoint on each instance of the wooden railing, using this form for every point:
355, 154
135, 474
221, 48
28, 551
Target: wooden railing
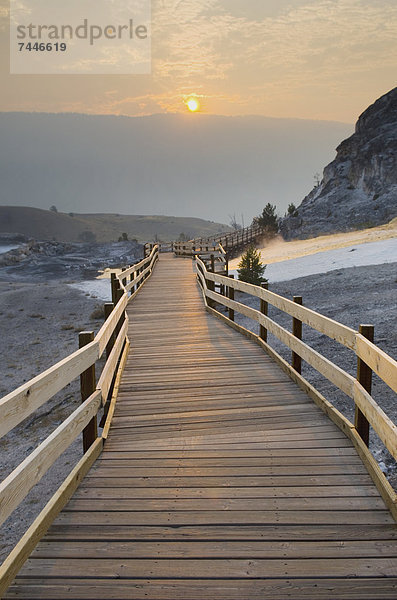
163, 247
229, 241
370, 359
18, 405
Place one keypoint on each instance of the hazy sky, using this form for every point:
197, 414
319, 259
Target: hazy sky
317, 59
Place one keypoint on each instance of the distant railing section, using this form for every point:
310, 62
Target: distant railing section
370, 359
229, 242
112, 341
163, 247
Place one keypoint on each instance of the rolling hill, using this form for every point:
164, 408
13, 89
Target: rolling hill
49, 225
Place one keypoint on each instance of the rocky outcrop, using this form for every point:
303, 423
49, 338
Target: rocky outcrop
359, 188
32, 250
42, 261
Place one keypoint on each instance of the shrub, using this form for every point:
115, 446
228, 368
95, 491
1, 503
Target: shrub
251, 268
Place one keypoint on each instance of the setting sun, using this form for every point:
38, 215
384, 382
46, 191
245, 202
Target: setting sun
193, 104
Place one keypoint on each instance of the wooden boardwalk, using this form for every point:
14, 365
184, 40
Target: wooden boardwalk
220, 479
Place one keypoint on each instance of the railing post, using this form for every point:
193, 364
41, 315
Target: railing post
364, 376
231, 297
119, 295
114, 285
211, 284
297, 332
212, 263
264, 310
87, 388
124, 280
119, 291
132, 277
108, 309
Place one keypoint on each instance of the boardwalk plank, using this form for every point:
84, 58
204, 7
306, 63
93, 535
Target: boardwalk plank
265, 533
214, 549
326, 492
214, 568
208, 589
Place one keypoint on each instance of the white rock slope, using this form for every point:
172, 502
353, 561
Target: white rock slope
359, 188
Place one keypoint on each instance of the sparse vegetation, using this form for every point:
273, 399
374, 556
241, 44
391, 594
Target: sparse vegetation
250, 268
233, 222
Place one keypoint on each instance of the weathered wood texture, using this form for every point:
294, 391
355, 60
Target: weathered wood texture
220, 478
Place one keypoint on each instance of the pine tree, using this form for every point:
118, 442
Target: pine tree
250, 267
268, 219
292, 211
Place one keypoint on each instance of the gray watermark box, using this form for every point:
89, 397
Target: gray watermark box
80, 37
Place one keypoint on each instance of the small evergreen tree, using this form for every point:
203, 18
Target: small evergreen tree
292, 210
250, 268
268, 218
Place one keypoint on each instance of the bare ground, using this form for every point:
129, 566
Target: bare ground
277, 249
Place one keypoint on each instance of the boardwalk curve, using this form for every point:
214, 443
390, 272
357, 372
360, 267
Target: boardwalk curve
219, 478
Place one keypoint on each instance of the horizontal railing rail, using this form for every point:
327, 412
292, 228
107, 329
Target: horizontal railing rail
24, 401
370, 358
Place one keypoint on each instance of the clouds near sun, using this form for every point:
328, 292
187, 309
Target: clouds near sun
293, 52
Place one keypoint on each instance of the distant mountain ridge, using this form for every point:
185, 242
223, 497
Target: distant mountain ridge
206, 166
359, 188
50, 225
